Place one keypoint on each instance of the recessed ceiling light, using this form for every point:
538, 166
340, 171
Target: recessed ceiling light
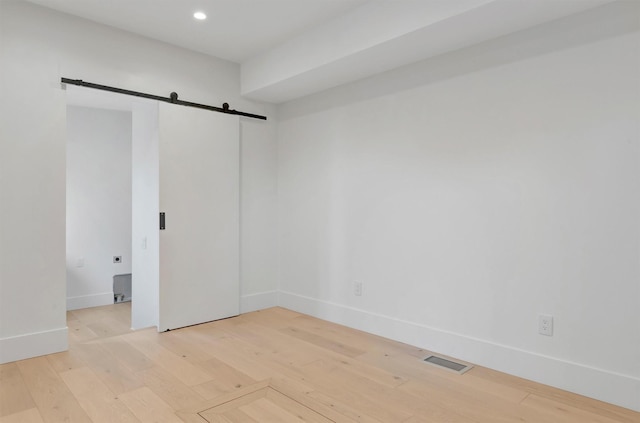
201, 16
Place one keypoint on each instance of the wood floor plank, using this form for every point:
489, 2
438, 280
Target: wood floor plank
237, 403
31, 415
174, 364
365, 397
300, 405
224, 419
111, 373
298, 351
473, 406
211, 330
184, 345
224, 379
435, 414
362, 368
175, 393
79, 332
273, 318
238, 355
98, 401
357, 338
312, 352
324, 342
93, 314
14, 394
110, 326
53, 398
562, 413
618, 414
408, 366
67, 360
148, 407
210, 390
343, 408
418, 419
237, 416
266, 411
108, 368
131, 358
278, 363
402, 404
355, 390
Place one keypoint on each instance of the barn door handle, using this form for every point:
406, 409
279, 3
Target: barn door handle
162, 223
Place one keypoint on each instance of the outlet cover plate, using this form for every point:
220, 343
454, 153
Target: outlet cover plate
545, 324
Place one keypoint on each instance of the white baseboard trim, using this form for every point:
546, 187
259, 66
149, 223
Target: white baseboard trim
86, 301
258, 301
603, 385
33, 345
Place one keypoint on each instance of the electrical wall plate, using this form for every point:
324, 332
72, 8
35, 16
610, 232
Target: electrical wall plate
545, 324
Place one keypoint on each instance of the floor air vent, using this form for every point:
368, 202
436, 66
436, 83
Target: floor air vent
447, 364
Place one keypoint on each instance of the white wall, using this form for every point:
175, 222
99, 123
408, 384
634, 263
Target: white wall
98, 203
32, 201
471, 192
37, 47
258, 216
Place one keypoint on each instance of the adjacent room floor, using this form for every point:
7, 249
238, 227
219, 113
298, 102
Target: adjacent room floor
273, 365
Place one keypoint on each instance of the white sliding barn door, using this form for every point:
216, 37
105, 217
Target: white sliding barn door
200, 195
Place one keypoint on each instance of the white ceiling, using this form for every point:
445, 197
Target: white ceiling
235, 30
292, 48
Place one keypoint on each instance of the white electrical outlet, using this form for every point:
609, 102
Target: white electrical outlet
357, 289
545, 324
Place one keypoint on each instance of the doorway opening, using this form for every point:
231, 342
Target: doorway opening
112, 196
98, 206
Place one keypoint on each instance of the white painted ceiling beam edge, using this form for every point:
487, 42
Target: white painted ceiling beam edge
365, 27
381, 36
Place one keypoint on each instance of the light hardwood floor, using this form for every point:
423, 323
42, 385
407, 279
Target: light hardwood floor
274, 365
